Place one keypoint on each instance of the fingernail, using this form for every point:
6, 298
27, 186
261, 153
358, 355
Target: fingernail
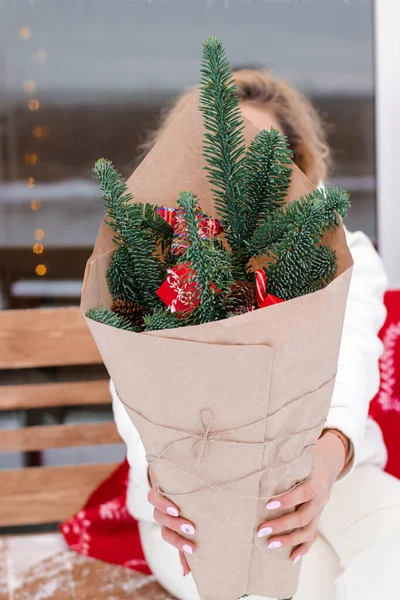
296, 559
273, 505
187, 548
187, 528
274, 545
183, 570
171, 510
264, 532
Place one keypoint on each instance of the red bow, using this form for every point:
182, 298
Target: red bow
264, 299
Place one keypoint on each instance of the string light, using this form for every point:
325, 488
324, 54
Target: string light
38, 248
31, 182
25, 33
33, 104
35, 205
40, 131
29, 86
30, 158
41, 270
39, 234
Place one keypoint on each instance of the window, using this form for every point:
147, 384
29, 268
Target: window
80, 80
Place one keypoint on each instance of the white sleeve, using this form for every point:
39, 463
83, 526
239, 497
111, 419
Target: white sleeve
357, 379
138, 483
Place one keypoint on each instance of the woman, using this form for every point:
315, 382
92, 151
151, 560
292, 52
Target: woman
347, 534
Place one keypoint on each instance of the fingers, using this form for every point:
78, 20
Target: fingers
177, 541
300, 518
177, 524
162, 503
296, 538
300, 551
173, 527
301, 494
184, 563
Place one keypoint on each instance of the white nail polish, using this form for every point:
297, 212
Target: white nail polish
171, 510
273, 505
187, 528
296, 559
274, 545
187, 548
264, 532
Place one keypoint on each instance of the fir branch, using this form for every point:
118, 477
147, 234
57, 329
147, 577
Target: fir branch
223, 145
267, 177
162, 318
210, 265
300, 263
162, 231
135, 272
107, 317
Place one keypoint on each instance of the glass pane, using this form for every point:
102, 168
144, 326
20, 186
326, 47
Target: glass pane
80, 80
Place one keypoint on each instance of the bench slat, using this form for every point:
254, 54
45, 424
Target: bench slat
43, 395
44, 437
47, 494
44, 338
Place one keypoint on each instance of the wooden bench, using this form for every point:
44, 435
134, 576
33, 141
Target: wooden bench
42, 338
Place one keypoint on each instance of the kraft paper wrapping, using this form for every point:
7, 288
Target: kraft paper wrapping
228, 411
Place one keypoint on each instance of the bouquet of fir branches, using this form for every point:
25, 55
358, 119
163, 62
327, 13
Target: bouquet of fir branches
216, 294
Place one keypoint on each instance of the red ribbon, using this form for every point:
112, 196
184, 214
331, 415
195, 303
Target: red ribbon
264, 299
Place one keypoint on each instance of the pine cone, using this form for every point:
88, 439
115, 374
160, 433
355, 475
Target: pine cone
242, 297
129, 310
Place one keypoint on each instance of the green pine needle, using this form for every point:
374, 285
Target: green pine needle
161, 230
293, 239
107, 317
210, 266
162, 318
135, 272
224, 145
250, 187
267, 177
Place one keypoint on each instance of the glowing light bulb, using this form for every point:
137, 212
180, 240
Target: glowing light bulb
40, 131
41, 270
39, 234
35, 205
33, 104
31, 182
38, 248
29, 86
30, 158
25, 33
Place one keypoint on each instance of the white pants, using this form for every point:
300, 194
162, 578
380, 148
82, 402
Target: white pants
356, 556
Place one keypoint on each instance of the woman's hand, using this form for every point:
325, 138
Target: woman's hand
167, 514
300, 528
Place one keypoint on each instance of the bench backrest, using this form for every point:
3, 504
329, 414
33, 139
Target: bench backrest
49, 338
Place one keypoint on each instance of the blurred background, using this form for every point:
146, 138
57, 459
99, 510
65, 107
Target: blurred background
85, 79
80, 80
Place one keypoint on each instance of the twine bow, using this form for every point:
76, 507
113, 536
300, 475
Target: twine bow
200, 449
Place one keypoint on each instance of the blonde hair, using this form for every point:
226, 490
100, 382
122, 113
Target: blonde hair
297, 117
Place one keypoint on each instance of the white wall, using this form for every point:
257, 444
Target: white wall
387, 37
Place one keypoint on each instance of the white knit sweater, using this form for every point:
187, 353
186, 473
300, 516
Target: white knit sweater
357, 378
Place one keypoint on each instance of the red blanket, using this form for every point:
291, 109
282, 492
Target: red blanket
104, 529
385, 407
